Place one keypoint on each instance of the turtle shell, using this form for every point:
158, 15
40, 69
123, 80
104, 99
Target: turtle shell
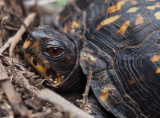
120, 43
122, 48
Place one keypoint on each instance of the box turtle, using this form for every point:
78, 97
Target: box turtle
118, 40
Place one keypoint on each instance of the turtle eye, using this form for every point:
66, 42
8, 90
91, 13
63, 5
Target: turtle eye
54, 51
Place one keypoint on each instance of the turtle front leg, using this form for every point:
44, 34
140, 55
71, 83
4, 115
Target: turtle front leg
85, 94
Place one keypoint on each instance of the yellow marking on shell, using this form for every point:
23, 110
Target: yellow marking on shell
139, 19
107, 21
133, 2
104, 93
132, 10
158, 70
103, 96
150, 0
89, 57
26, 44
80, 36
157, 15
155, 58
124, 27
157, 5
88, 50
117, 6
74, 25
73, 30
131, 82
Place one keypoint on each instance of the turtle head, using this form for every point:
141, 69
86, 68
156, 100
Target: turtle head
54, 55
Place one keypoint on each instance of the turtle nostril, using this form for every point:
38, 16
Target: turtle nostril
34, 62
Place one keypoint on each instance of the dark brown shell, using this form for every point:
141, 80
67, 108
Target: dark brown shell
123, 51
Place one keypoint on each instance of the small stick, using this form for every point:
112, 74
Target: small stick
54, 98
88, 85
41, 114
15, 39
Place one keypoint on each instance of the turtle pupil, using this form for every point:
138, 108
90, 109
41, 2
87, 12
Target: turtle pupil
54, 50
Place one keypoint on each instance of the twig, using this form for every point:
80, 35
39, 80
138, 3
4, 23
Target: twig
12, 95
83, 103
54, 98
15, 39
88, 85
41, 114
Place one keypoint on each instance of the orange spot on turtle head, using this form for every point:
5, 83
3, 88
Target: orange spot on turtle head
27, 56
40, 69
36, 45
58, 74
26, 44
45, 62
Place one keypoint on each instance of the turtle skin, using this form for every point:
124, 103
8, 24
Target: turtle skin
119, 41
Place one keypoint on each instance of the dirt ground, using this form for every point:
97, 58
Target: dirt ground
22, 91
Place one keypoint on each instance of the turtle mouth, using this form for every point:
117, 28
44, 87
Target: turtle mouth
57, 81
54, 80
